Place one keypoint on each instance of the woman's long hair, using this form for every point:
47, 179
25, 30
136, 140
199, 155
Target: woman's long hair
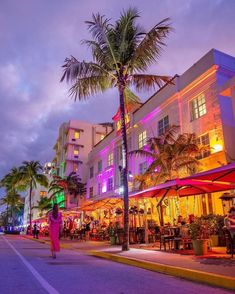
55, 211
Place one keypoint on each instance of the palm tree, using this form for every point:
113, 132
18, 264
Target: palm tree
71, 184
170, 157
31, 176
43, 205
121, 53
14, 203
13, 184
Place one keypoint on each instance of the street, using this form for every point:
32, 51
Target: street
26, 267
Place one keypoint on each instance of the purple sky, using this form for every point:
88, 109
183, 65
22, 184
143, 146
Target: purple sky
35, 38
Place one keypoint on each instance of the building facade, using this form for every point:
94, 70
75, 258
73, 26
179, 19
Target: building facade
75, 140
200, 101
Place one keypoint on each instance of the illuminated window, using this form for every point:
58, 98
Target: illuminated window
76, 135
99, 166
75, 152
91, 172
163, 125
110, 159
75, 167
120, 153
142, 168
110, 184
91, 192
204, 141
142, 139
43, 193
198, 106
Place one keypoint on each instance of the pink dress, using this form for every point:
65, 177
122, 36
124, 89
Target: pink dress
54, 230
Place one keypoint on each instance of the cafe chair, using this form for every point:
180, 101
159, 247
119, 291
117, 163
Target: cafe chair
229, 241
166, 239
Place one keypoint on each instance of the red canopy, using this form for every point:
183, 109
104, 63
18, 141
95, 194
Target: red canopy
183, 187
224, 173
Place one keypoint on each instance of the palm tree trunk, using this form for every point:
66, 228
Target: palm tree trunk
30, 206
125, 245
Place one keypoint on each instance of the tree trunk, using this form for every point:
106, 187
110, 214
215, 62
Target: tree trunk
30, 207
125, 245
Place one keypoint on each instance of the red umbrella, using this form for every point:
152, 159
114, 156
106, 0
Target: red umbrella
183, 187
224, 173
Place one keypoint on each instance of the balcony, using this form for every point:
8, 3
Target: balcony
74, 158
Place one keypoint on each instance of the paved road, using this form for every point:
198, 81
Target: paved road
26, 267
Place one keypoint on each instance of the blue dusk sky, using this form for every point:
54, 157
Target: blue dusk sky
37, 35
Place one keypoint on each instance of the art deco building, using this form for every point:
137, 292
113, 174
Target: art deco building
200, 101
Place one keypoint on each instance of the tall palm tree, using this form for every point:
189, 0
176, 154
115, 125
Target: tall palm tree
121, 53
31, 176
171, 156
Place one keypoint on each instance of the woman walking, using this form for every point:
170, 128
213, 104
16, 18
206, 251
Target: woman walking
55, 221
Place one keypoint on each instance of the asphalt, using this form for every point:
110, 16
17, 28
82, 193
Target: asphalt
215, 269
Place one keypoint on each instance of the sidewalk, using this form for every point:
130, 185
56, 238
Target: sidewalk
216, 268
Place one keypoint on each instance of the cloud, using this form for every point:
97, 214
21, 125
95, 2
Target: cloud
35, 38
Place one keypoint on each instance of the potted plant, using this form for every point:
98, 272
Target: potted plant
112, 235
199, 234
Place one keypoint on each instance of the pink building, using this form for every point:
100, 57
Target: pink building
201, 101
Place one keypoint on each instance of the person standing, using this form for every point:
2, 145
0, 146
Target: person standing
55, 221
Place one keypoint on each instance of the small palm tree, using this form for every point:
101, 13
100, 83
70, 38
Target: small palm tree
43, 205
31, 176
121, 52
170, 157
14, 203
71, 184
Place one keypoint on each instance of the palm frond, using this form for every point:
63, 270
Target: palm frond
141, 153
148, 82
89, 86
101, 30
150, 47
131, 98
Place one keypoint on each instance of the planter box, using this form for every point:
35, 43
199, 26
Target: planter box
200, 247
214, 240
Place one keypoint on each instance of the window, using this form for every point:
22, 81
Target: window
91, 172
163, 125
99, 166
120, 153
142, 168
102, 136
76, 135
110, 159
204, 141
142, 139
127, 120
99, 188
43, 193
198, 106
110, 184
91, 192
75, 152
75, 167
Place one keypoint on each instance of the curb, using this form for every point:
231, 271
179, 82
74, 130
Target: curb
188, 274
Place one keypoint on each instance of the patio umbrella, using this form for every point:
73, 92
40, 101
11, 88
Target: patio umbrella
182, 187
224, 173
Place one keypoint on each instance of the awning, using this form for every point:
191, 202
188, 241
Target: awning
106, 203
224, 173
